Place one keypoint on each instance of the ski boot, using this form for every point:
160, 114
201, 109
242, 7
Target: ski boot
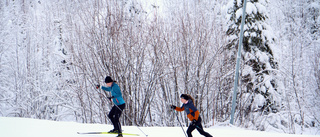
120, 135
113, 131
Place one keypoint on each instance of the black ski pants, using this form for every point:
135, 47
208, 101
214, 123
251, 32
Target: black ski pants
199, 127
114, 116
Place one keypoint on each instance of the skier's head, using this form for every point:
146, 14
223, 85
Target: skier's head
185, 97
109, 81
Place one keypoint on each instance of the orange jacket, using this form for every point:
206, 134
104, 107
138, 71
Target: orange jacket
190, 109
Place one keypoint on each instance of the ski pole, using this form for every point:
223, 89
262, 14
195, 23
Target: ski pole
180, 123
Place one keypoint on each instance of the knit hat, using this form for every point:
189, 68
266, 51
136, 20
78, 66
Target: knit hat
184, 96
108, 79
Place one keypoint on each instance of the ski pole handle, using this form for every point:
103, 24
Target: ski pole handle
98, 86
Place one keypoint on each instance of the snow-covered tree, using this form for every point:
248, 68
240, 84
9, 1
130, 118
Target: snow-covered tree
33, 73
297, 40
258, 86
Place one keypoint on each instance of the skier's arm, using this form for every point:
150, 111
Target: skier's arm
179, 109
195, 111
196, 115
106, 88
115, 90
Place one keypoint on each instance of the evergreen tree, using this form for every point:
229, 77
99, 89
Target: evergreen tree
313, 14
258, 76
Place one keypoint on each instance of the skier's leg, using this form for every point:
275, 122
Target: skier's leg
200, 128
202, 132
112, 115
118, 113
190, 129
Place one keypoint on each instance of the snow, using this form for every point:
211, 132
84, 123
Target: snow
261, 8
239, 2
259, 100
251, 8
239, 13
25, 127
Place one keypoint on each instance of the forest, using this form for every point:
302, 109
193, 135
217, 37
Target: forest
53, 53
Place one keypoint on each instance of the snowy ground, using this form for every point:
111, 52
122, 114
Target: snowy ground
23, 127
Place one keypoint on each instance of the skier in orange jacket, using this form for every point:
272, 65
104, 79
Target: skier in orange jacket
192, 113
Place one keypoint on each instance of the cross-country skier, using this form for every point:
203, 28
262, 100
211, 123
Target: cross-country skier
117, 109
192, 113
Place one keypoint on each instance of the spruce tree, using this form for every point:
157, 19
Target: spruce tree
258, 67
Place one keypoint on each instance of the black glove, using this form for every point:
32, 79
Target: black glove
193, 123
98, 86
110, 97
173, 107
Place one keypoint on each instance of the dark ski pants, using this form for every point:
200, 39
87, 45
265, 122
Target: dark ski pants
114, 116
197, 126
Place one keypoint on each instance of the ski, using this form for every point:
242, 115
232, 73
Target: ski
107, 133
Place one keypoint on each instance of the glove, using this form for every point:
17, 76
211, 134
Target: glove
98, 86
193, 123
110, 97
173, 107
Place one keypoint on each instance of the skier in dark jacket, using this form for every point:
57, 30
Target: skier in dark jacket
192, 113
117, 99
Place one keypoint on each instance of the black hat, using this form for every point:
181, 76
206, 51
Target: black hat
184, 96
108, 79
